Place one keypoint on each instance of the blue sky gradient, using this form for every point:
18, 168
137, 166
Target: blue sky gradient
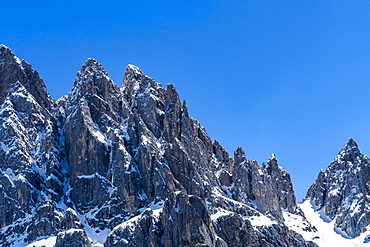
284, 77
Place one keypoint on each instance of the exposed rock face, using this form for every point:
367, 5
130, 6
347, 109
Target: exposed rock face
73, 238
342, 190
129, 165
283, 186
14, 70
31, 156
268, 187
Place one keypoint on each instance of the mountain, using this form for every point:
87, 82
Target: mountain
128, 166
341, 192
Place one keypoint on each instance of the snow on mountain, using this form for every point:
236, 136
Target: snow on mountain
341, 192
327, 233
109, 166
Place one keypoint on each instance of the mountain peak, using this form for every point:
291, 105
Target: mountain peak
351, 143
90, 66
14, 70
132, 73
92, 79
135, 81
6, 54
272, 157
342, 190
349, 151
134, 69
4, 49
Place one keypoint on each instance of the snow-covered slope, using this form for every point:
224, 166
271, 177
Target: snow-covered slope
328, 234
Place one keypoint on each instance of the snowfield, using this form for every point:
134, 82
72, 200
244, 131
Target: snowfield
47, 242
327, 235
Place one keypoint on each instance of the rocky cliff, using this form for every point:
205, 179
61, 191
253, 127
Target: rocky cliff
127, 166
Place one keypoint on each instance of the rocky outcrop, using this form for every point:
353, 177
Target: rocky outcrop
342, 190
129, 165
73, 238
269, 188
14, 70
283, 186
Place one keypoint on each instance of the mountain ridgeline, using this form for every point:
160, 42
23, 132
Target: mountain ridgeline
128, 166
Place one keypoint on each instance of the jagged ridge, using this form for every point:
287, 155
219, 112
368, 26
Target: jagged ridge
129, 166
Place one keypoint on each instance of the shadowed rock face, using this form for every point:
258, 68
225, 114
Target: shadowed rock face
343, 190
126, 167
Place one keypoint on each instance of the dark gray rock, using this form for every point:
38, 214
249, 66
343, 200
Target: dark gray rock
280, 235
179, 221
73, 238
142, 230
236, 231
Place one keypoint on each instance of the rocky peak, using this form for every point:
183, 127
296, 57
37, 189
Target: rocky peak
91, 65
239, 156
132, 73
92, 80
133, 78
90, 70
7, 56
342, 190
12, 69
136, 83
272, 163
350, 152
283, 186
6, 53
351, 143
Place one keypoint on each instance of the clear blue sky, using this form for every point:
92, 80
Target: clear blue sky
284, 77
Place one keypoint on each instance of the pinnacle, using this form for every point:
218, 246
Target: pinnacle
351, 146
91, 65
272, 161
239, 155
349, 151
92, 79
4, 48
351, 143
132, 73
6, 52
133, 69
91, 61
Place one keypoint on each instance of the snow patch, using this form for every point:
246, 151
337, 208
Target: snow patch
46, 242
221, 212
327, 234
260, 220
